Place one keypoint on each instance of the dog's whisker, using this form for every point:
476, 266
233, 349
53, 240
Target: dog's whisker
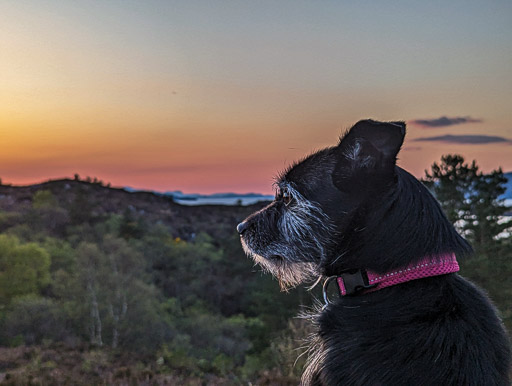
338, 257
300, 356
315, 283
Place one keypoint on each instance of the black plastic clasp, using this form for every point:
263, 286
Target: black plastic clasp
355, 281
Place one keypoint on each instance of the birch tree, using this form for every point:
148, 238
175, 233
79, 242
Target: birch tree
89, 260
124, 267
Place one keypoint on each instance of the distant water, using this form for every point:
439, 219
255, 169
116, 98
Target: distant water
223, 200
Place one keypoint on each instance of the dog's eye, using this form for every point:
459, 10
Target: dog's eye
287, 197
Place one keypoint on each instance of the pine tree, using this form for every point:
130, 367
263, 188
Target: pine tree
470, 198
488, 221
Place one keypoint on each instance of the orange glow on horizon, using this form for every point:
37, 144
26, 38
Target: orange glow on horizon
180, 98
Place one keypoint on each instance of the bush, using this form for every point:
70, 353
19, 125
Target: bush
32, 319
24, 268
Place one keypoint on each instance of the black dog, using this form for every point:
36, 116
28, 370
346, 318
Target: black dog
349, 212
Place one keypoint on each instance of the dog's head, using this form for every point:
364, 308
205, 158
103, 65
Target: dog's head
320, 201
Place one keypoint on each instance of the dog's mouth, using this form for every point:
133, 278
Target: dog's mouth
261, 255
289, 274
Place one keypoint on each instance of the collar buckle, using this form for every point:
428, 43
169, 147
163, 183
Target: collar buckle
349, 283
354, 281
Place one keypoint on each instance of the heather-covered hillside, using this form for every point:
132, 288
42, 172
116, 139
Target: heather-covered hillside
97, 283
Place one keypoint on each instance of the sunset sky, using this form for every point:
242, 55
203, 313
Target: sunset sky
216, 96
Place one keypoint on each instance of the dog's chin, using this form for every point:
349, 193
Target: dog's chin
288, 273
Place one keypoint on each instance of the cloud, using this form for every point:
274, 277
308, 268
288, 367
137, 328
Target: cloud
411, 148
444, 121
466, 139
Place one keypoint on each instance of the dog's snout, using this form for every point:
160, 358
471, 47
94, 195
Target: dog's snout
242, 227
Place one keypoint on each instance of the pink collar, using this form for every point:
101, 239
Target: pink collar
361, 281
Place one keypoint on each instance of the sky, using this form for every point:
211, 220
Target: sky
217, 96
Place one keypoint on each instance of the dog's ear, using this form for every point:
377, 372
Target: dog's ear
369, 145
384, 138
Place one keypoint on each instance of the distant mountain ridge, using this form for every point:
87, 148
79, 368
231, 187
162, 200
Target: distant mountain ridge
180, 194
228, 198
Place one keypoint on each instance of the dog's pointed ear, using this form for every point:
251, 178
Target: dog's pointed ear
385, 137
369, 145
368, 138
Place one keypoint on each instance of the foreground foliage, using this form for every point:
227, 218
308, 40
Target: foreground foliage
109, 286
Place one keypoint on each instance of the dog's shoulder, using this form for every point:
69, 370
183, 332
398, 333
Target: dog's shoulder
440, 330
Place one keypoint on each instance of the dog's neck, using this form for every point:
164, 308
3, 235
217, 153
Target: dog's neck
401, 228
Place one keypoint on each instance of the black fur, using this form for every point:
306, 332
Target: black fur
351, 207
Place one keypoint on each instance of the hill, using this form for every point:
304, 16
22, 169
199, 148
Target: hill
182, 221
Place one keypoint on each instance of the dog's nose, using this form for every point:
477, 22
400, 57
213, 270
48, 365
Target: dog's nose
242, 227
